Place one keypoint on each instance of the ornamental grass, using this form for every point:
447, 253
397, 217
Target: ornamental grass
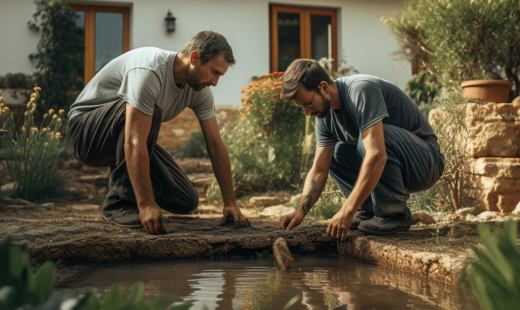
29, 153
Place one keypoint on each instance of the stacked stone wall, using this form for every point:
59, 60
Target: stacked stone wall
493, 179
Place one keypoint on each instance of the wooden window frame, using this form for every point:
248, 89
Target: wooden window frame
305, 31
90, 35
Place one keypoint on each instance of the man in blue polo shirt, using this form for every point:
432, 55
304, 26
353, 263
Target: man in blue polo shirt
373, 140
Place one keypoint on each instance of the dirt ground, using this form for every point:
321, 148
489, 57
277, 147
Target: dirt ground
75, 237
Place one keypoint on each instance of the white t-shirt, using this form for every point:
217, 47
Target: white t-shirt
143, 77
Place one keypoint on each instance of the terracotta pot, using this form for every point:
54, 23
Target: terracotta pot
487, 90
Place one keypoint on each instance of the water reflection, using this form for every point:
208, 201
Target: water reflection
245, 284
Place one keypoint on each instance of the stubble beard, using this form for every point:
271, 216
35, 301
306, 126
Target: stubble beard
193, 80
326, 108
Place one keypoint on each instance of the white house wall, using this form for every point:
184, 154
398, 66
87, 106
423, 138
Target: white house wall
363, 40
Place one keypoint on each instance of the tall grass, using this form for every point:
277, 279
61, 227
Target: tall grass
29, 153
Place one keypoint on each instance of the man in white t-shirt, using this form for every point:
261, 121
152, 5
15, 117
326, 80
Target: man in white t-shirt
116, 120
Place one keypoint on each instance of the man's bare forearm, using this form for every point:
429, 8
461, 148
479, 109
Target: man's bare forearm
219, 156
137, 162
314, 184
369, 175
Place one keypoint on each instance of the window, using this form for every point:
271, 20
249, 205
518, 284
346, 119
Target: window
107, 35
298, 32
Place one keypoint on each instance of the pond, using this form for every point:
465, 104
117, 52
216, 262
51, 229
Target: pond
319, 283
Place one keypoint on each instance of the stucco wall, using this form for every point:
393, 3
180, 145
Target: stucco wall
363, 40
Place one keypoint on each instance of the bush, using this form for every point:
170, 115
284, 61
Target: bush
20, 289
461, 40
266, 140
16, 80
30, 153
422, 89
196, 146
330, 202
60, 53
495, 274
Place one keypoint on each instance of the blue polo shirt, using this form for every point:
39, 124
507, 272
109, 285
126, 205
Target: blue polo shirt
364, 101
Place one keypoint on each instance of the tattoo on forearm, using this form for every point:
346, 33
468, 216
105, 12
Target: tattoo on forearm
307, 200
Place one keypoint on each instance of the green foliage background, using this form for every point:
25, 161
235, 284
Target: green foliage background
461, 40
60, 53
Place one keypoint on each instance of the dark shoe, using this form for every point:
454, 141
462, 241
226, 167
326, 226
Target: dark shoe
361, 216
127, 217
382, 226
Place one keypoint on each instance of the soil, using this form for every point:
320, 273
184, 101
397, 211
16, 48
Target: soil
75, 236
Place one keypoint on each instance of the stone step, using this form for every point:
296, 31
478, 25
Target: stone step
97, 180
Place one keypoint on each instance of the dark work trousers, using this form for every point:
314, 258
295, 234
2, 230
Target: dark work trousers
413, 165
97, 138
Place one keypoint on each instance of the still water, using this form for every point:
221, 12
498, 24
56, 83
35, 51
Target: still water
319, 283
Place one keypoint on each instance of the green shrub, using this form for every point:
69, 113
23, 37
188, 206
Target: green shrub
266, 140
495, 274
461, 40
20, 289
330, 202
17, 80
60, 53
18, 285
32, 151
196, 146
422, 89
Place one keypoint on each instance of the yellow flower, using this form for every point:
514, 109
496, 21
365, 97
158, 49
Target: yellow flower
46, 143
61, 111
26, 113
44, 130
51, 111
34, 129
45, 116
1, 103
23, 128
58, 135
37, 89
34, 105
6, 109
55, 116
59, 119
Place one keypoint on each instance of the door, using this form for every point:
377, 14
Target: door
107, 35
302, 32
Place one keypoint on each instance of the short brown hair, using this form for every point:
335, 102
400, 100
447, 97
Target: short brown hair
210, 45
306, 72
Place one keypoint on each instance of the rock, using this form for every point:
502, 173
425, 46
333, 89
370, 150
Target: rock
48, 204
265, 201
295, 199
495, 183
9, 186
18, 201
465, 211
282, 256
517, 209
487, 215
97, 180
471, 218
204, 182
72, 165
278, 211
85, 207
178, 132
422, 217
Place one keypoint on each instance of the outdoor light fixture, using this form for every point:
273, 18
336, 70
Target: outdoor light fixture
170, 22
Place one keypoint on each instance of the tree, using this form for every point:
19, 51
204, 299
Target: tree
60, 53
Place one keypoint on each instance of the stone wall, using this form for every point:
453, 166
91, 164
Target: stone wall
493, 180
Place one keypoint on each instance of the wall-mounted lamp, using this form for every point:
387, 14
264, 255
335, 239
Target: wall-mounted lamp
170, 22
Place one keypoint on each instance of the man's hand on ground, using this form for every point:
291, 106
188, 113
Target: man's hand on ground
291, 220
340, 224
233, 212
150, 218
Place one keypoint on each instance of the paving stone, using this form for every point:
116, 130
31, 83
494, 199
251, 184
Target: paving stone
265, 201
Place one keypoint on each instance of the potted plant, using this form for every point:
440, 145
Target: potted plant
461, 41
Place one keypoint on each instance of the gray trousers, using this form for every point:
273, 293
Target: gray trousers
97, 139
413, 165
